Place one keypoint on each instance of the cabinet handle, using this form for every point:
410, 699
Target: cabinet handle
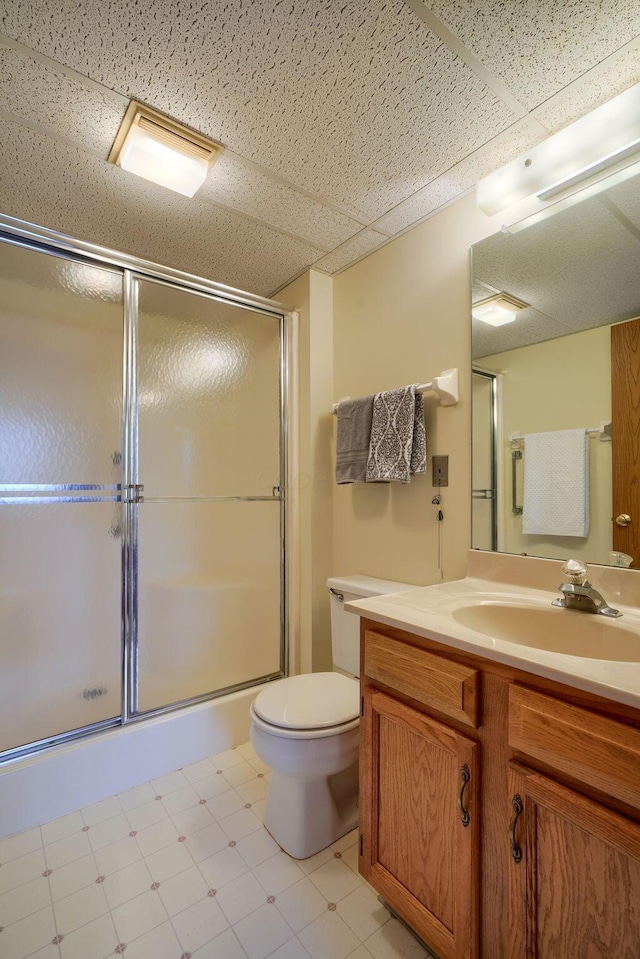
464, 779
516, 806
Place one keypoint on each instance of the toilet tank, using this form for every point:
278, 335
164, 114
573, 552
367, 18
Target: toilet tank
345, 627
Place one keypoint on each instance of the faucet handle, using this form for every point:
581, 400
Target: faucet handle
575, 571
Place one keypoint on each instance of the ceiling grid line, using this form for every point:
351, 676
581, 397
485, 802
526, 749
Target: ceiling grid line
346, 122
46, 131
7, 41
457, 46
123, 101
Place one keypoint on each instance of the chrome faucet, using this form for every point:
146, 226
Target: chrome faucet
579, 594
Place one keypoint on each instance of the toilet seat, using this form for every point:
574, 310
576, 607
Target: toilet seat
280, 732
320, 703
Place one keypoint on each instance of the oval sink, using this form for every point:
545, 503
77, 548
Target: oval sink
556, 630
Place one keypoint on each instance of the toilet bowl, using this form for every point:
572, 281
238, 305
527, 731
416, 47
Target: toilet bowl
306, 730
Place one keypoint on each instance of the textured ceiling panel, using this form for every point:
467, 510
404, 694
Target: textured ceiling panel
236, 185
626, 202
365, 242
356, 101
335, 114
596, 88
536, 48
579, 267
459, 178
529, 327
35, 91
480, 290
66, 189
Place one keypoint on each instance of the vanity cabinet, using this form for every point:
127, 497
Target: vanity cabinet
419, 792
420, 825
574, 880
547, 779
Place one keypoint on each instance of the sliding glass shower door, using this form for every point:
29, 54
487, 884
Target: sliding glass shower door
60, 511
141, 494
209, 527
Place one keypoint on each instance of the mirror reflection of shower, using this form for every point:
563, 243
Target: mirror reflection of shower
484, 465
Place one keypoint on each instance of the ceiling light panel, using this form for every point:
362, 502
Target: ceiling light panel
48, 181
498, 310
159, 149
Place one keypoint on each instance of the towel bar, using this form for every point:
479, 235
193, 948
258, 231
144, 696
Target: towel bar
515, 456
445, 385
603, 432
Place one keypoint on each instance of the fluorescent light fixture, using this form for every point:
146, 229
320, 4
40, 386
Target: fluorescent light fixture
498, 310
161, 150
603, 142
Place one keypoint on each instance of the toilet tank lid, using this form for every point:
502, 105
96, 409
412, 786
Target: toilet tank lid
367, 585
310, 701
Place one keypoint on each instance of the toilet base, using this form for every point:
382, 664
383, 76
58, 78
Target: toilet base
307, 815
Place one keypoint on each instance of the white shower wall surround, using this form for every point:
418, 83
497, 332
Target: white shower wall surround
201, 602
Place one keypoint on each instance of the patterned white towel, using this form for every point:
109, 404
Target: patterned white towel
398, 443
556, 483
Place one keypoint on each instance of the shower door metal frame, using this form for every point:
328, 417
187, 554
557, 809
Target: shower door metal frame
134, 496
492, 493
133, 269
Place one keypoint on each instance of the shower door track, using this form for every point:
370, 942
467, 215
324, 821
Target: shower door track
129, 492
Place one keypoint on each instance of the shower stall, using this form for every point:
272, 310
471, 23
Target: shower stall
143, 430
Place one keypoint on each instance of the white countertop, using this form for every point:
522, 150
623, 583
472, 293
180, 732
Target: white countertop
428, 612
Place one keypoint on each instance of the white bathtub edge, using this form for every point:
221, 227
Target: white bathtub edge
66, 778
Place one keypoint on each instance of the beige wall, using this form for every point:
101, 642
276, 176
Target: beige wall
312, 297
557, 385
402, 315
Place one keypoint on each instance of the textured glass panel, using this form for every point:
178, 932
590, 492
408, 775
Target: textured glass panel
482, 530
60, 369
60, 658
209, 586
209, 396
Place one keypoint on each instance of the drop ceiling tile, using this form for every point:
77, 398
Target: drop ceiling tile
236, 185
578, 269
459, 178
538, 47
360, 103
480, 290
56, 185
34, 91
626, 199
596, 88
362, 244
529, 327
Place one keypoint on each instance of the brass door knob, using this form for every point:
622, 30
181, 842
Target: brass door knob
623, 519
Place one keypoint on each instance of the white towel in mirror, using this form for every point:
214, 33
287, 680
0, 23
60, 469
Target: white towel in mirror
556, 483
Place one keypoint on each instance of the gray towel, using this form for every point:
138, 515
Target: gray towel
353, 438
398, 442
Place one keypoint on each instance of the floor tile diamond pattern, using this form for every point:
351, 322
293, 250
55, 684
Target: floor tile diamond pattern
182, 868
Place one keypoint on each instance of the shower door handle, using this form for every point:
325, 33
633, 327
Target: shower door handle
133, 493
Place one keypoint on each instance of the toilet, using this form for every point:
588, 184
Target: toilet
305, 728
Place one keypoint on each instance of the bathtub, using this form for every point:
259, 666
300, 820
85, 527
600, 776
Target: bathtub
65, 778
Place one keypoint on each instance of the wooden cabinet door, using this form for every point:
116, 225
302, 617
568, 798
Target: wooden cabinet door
625, 423
575, 893
419, 822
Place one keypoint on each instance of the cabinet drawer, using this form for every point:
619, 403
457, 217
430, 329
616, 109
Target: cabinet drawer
597, 751
447, 686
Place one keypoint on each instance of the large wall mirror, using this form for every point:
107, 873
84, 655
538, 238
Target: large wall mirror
556, 391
